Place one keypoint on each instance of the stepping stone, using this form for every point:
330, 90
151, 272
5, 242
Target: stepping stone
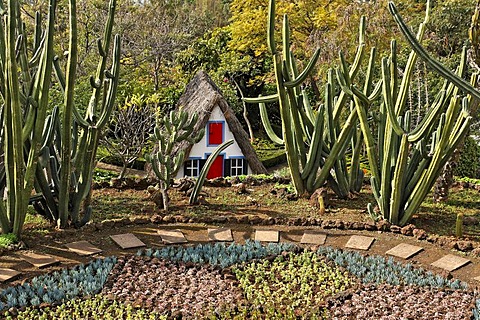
127, 241
8, 274
450, 262
404, 251
313, 237
38, 260
83, 248
221, 234
360, 242
172, 236
267, 235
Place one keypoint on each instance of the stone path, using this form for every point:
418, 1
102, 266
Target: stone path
127, 241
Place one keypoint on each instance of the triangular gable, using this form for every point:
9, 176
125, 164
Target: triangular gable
201, 96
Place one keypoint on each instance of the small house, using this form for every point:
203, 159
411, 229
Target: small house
203, 97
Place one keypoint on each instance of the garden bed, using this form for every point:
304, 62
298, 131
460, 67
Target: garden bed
254, 281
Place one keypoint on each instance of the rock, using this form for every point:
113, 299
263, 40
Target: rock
476, 252
432, 238
420, 234
168, 219
108, 224
464, 246
383, 225
269, 221
156, 219
395, 228
370, 226
240, 188
339, 224
407, 230
328, 224
141, 220
358, 225
243, 219
116, 183
254, 220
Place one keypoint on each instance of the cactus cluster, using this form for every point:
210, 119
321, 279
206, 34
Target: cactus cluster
406, 161
24, 85
64, 172
315, 141
219, 254
54, 154
172, 129
83, 280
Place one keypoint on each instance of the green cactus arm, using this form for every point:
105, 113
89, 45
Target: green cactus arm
367, 87
267, 125
308, 107
398, 182
67, 118
412, 58
263, 99
354, 176
376, 91
112, 90
304, 74
178, 161
34, 60
191, 124
287, 54
388, 99
432, 115
271, 28
369, 141
59, 73
360, 48
336, 149
4, 221
434, 64
203, 173
316, 143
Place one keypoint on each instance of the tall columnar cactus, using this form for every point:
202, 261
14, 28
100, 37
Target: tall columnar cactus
170, 131
315, 140
24, 87
64, 175
405, 161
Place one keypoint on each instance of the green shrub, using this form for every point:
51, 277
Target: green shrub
469, 162
7, 239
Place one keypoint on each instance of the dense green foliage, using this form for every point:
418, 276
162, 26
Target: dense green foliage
469, 162
291, 286
96, 307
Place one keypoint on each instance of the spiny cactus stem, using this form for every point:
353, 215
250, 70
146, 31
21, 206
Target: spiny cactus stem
434, 64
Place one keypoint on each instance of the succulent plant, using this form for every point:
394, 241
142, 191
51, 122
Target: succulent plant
83, 280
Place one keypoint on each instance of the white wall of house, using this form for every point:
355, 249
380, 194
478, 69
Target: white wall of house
201, 150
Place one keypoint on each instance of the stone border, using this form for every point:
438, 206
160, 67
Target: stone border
464, 245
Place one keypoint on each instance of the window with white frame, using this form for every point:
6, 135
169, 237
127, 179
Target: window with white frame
192, 167
236, 167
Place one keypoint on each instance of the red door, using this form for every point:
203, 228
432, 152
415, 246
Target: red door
216, 170
215, 133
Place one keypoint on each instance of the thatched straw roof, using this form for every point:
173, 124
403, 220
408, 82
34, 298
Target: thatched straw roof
201, 96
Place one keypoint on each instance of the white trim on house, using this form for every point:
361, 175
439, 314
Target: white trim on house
201, 149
